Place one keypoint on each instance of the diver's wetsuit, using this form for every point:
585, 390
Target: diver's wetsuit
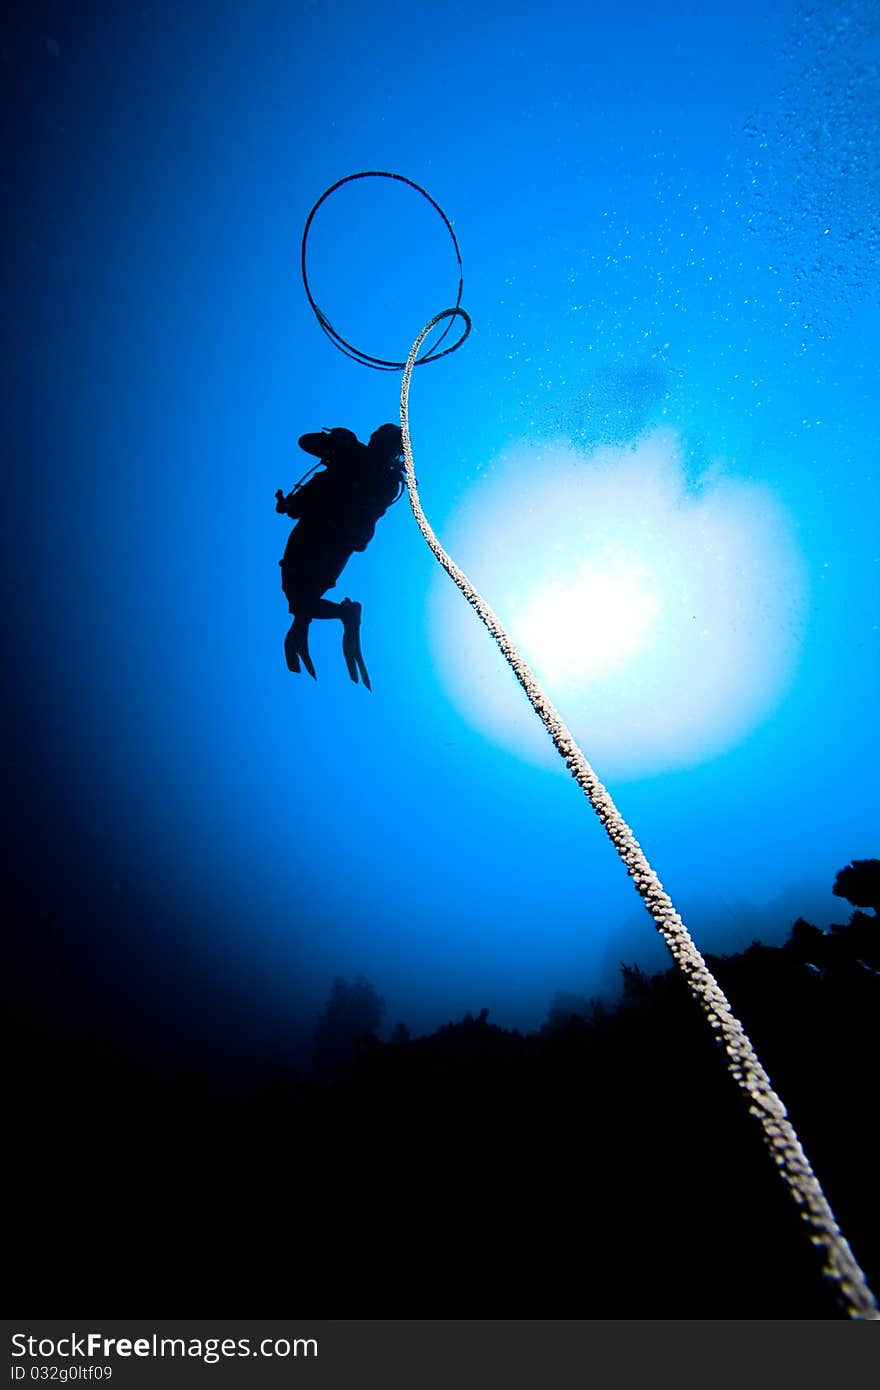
336, 513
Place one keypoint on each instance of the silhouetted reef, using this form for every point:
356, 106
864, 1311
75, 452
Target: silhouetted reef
604, 1166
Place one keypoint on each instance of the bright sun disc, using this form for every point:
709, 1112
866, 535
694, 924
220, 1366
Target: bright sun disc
663, 620
589, 624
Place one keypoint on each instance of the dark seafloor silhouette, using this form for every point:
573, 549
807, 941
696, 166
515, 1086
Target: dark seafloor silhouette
602, 1167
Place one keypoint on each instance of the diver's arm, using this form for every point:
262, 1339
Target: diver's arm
304, 497
286, 506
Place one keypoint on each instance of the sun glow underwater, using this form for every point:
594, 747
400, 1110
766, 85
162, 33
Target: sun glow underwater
663, 616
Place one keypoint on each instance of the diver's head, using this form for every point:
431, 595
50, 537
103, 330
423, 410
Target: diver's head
387, 440
329, 444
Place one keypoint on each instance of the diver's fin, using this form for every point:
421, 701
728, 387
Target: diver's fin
290, 654
296, 645
306, 655
365, 675
351, 642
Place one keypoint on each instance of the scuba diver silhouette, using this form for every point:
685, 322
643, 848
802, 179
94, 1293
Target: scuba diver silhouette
336, 511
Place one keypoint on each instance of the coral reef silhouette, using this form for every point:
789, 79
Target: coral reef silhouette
499, 1155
